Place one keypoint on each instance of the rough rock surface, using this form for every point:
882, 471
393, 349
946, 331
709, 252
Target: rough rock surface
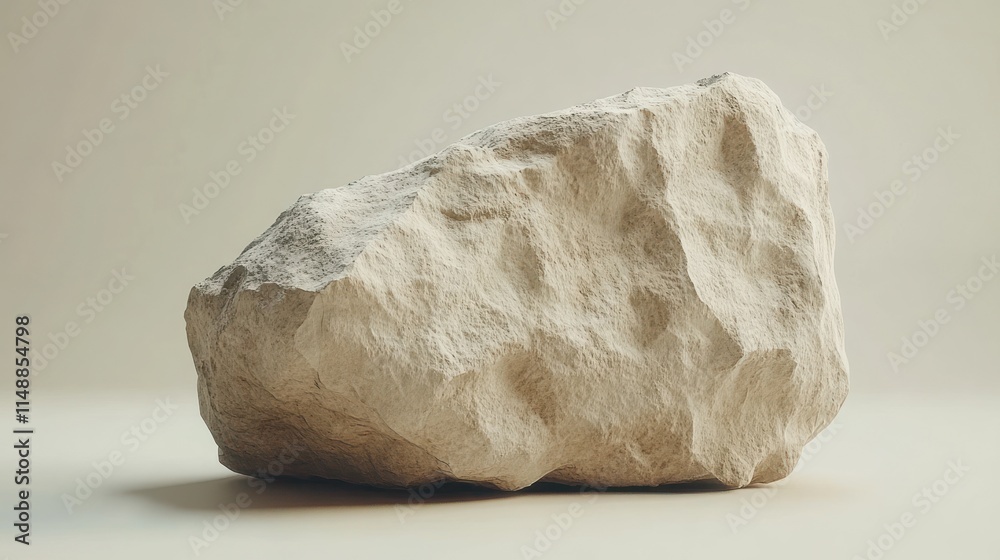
633, 291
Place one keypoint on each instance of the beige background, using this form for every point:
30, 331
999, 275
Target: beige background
119, 208
62, 239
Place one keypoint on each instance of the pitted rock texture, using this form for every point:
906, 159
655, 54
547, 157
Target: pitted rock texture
633, 291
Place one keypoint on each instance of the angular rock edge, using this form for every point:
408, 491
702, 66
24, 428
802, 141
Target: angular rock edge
630, 292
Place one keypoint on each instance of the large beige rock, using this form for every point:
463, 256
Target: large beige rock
634, 291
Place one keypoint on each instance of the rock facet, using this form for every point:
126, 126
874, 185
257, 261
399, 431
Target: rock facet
633, 291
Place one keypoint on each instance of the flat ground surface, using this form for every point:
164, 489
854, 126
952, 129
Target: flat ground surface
930, 464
